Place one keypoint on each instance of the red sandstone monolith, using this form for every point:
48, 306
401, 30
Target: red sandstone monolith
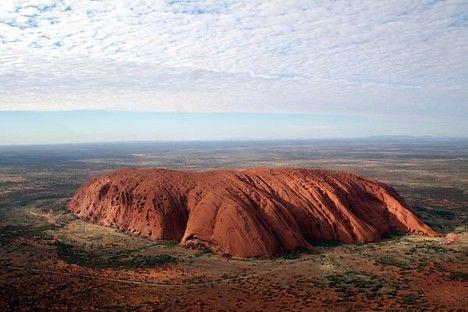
246, 213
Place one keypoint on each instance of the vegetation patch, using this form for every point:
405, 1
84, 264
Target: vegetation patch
444, 214
169, 243
388, 260
459, 276
9, 233
204, 252
412, 298
351, 283
109, 259
290, 255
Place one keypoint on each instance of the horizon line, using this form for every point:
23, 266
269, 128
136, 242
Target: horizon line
240, 140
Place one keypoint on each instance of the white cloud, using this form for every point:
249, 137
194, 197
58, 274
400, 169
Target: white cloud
366, 57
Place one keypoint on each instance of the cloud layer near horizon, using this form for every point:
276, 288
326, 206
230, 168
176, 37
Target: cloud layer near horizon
387, 58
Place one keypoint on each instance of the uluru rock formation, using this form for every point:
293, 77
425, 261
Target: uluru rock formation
246, 213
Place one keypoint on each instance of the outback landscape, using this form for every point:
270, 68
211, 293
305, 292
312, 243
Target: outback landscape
53, 260
233, 155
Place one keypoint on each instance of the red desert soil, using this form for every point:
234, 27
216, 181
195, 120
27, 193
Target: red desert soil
246, 213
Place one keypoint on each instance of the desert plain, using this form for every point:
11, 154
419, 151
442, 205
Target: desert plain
51, 260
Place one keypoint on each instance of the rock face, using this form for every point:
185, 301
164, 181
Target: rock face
246, 213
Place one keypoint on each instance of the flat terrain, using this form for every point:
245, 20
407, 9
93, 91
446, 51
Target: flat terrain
52, 261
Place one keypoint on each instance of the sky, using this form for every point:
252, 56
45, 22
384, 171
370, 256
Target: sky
231, 69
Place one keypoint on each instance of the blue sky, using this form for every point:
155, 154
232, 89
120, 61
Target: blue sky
45, 127
352, 68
